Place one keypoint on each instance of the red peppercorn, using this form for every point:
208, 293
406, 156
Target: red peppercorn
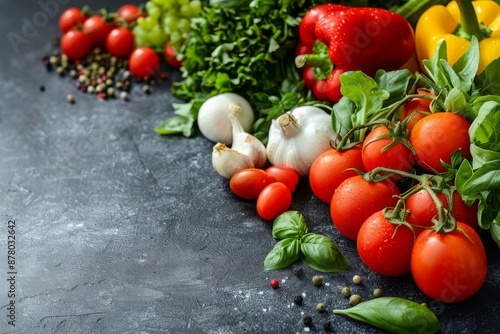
274, 283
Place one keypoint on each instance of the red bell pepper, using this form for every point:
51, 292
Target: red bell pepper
336, 38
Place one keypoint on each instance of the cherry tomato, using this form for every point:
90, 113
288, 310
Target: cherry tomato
385, 247
120, 42
449, 267
143, 62
76, 44
356, 199
332, 167
376, 153
420, 105
248, 183
130, 13
320, 90
169, 54
273, 200
70, 19
423, 209
436, 136
283, 174
97, 28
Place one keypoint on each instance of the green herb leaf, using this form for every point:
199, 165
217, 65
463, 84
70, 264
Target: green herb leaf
283, 254
367, 96
290, 224
466, 66
395, 315
488, 79
456, 101
320, 253
182, 123
395, 82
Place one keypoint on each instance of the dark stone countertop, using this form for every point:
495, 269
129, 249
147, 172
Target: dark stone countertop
120, 230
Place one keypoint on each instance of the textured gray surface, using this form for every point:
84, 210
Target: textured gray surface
120, 230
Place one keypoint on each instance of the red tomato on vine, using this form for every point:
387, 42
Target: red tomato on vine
449, 267
357, 199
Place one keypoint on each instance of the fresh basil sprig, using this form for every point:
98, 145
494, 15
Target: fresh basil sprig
317, 251
395, 315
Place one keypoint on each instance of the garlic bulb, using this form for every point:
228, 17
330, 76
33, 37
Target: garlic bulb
213, 121
227, 161
298, 137
247, 144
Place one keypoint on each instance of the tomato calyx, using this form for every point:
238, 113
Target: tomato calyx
433, 185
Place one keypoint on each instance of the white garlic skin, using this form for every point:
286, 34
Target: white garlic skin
247, 144
213, 121
228, 162
298, 137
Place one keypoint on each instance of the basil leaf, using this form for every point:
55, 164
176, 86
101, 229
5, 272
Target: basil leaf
283, 254
290, 224
485, 178
433, 66
485, 126
341, 116
321, 253
395, 315
466, 66
456, 101
488, 79
394, 82
182, 123
366, 95
495, 231
482, 153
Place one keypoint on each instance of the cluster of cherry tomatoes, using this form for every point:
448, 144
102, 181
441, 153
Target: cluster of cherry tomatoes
448, 266
82, 33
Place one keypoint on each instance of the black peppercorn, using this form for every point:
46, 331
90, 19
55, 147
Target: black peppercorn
298, 271
298, 300
327, 326
307, 321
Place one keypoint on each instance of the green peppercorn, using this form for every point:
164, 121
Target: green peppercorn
307, 321
377, 293
317, 280
356, 279
424, 304
110, 92
355, 300
321, 307
346, 292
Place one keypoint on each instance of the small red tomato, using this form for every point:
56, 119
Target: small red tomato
418, 105
76, 44
144, 62
274, 283
436, 136
130, 13
356, 199
385, 247
449, 267
248, 183
70, 19
120, 42
97, 28
273, 200
331, 168
377, 153
283, 174
170, 56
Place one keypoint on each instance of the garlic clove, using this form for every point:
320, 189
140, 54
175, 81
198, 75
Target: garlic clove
247, 144
228, 162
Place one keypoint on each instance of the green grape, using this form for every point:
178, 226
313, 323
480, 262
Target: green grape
157, 36
195, 8
184, 25
167, 20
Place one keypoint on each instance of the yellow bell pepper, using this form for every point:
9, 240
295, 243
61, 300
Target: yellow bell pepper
441, 23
